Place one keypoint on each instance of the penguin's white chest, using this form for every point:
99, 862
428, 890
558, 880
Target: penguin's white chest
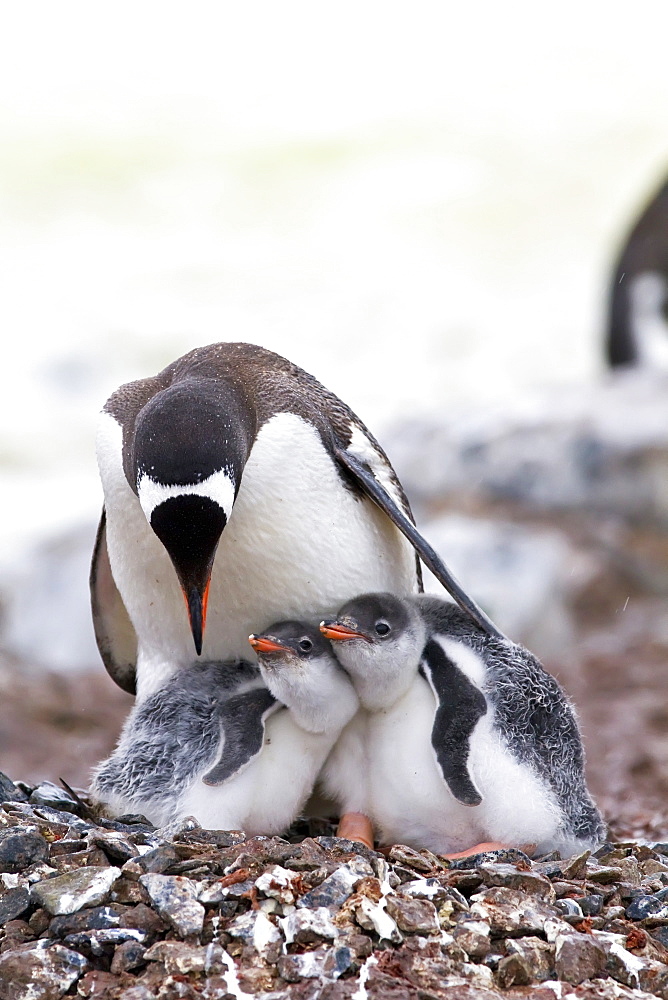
410, 802
263, 799
297, 544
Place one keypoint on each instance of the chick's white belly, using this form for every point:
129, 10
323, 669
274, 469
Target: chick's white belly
268, 795
409, 801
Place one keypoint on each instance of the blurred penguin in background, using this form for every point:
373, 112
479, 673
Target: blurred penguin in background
637, 331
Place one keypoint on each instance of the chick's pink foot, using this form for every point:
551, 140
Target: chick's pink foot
357, 827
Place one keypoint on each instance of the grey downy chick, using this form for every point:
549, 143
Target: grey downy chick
216, 744
468, 738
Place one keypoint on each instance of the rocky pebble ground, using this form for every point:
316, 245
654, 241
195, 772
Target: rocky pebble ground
95, 907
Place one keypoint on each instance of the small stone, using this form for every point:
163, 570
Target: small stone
602, 874
514, 878
513, 970
127, 892
511, 912
48, 794
158, 860
256, 929
21, 848
127, 956
39, 872
653, 867
373, 916
175, 899
333, 891
506, 855
17, 932
254, 980
402, 855
574, 867
550, 868
144, 919
339, 846
134, 819
569, 909
66, 846
278, 883
96, 918
114, 844
9, 792
179, 827
635, 972
142, 993
219, 891
77, 889
630, 870
178, 957
91, 858
380, 986
360, 945
413, 916
101, 985
649, 909
537, 954
214, 987
591, 905
306, 926
12, 881
427, 888
578, 957
39, 921
660, 934
40, 971
100, 942
473, 936
13, 903
323, 963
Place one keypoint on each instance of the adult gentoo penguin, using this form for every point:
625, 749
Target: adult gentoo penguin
467, 739
215, 743
219, 475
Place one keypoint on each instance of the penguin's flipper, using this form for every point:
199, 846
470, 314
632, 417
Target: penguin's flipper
460, 705
114, 632
242, 720
366, 480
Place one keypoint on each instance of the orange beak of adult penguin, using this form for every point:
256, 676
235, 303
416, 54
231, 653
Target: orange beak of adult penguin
190, 526
338, 632
196, 603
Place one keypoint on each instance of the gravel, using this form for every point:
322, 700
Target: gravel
111, 909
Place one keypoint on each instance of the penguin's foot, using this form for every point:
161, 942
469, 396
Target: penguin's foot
491, 846
356, 826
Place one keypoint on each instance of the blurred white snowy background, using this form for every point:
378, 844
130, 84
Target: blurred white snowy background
418, 203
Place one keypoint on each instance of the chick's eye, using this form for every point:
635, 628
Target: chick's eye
305, 645
382, 628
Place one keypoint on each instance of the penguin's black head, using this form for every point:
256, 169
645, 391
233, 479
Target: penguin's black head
190, 446
289, 641
371, 618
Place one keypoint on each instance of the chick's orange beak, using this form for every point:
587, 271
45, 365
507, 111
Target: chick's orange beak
263, 644
336, 631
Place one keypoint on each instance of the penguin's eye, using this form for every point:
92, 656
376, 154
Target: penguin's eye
305, 645
382, 628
